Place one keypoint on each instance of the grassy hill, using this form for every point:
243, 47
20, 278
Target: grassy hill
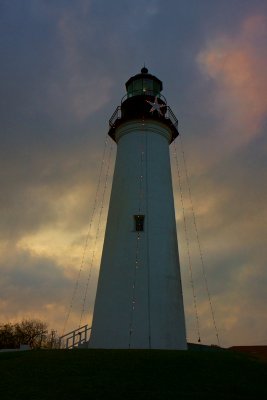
131, 374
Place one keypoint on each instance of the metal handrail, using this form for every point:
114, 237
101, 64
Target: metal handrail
172, 117
74, 338
116, 115
75, 330
169, 116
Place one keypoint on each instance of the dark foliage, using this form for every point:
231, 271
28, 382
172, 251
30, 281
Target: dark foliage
31, 332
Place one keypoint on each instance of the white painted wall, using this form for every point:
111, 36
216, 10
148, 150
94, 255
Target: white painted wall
157, 320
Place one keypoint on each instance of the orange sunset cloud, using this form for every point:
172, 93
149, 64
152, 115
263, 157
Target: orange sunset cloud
239, 71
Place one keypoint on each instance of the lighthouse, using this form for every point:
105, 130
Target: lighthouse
139, 301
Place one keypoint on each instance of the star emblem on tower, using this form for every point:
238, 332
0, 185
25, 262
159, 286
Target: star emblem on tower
155, 106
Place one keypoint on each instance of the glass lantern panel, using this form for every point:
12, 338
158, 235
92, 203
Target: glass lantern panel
156, 87
148, 86
137, 86
130, 90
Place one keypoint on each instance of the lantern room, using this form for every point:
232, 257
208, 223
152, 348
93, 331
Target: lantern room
143, 101
143, 84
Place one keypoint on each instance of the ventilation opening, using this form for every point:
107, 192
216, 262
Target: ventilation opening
139, 222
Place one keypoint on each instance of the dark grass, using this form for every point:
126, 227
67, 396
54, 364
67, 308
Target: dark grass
131, 374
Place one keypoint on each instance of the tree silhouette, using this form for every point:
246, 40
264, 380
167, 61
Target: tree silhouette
32, 332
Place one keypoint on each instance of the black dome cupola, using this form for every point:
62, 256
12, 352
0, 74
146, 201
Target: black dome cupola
143, 101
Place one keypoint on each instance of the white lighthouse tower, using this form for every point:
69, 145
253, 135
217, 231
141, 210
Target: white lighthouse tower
139, 302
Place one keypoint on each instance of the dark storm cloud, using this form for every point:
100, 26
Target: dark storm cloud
230, 202
30, 281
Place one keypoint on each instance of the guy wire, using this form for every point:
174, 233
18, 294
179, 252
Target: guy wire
87, 238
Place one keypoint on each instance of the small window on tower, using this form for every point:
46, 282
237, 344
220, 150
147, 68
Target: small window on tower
139, 222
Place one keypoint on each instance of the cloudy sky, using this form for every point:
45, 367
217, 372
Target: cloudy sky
63, 68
